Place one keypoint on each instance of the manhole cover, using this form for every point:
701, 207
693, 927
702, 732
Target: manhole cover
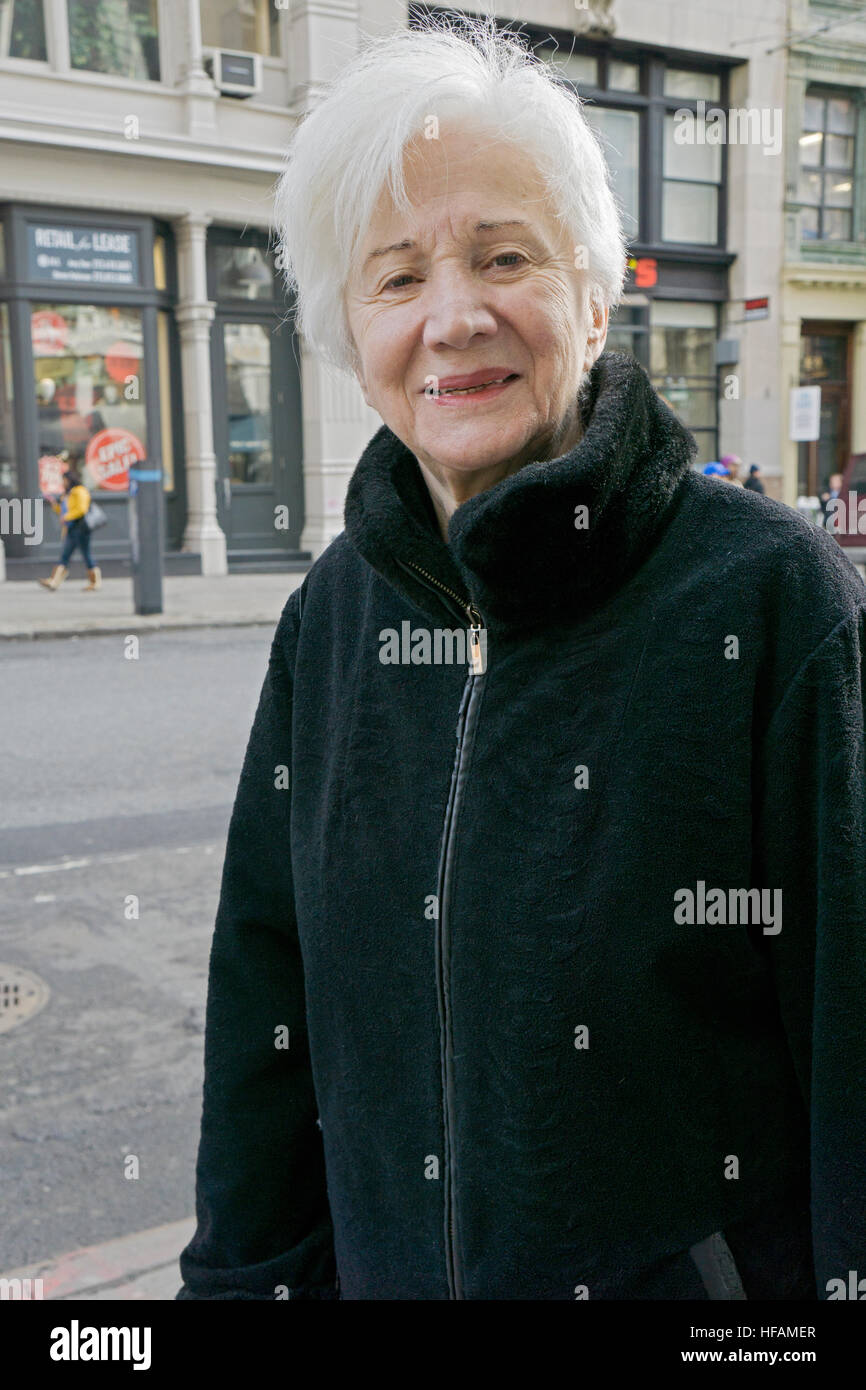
22, 995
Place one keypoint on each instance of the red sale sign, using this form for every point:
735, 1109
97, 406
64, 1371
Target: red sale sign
51, 471
109, 457
49, 332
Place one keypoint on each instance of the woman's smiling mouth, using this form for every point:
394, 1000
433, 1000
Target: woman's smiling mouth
480, 385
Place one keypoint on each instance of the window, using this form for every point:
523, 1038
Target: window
628, 330
22, 30
580, 68
620, 138
250, 25
682, 365
242, 272
115, 36
87, 362
247, 349
825, 186
692, 86
692, 174
8, 465
623, 77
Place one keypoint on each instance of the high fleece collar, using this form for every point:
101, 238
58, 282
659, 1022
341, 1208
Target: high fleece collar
515, 550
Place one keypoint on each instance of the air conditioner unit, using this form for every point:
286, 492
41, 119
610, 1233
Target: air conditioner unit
236, 74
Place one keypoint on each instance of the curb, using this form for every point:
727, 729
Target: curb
136, 622
135, 1267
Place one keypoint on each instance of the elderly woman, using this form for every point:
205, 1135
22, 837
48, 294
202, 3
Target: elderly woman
539, 960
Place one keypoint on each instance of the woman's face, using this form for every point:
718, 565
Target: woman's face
476, 286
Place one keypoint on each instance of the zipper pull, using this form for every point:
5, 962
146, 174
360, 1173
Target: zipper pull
476, 649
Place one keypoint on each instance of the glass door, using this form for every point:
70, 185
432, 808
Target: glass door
256, 435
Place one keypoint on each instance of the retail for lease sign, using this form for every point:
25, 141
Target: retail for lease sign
109, 457
62, 254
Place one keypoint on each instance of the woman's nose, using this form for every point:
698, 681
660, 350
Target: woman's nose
456, 310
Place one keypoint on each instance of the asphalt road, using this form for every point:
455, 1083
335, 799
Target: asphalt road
116, 779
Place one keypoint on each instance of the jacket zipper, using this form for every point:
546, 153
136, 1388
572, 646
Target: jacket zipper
466, 721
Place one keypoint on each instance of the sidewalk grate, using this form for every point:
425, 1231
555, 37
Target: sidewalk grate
22, 995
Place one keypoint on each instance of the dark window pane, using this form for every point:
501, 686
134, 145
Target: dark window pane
25, 35
115, 36
242, 272
823, 357
248, 389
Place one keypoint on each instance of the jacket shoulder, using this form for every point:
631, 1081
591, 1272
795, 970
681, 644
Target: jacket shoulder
789, 567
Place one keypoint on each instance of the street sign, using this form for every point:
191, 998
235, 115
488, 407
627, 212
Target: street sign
757, 308
805, 414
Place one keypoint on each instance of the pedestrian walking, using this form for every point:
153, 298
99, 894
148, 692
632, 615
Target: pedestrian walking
753, 483
502, 1002
732, 464
72, 508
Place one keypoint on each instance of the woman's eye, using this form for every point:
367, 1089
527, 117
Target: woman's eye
398, 282
508, 258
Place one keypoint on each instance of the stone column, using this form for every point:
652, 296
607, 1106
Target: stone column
194, 83
194, 314
789, 377
337, 425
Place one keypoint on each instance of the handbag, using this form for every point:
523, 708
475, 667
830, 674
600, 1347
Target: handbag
95, 517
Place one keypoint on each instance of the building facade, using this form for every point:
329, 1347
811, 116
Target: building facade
824, 272
143, 319
142, 316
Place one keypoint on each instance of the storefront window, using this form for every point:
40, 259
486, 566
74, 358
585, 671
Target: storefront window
115, 36
682, 364
89, 392
8, 468
250, 25
242, 272
22, 30
247, 349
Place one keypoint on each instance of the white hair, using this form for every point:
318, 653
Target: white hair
350, 148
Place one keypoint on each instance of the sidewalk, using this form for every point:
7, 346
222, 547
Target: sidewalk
229, 600
140, 1266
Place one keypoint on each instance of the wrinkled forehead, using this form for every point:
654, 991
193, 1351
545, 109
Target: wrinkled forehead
458, 180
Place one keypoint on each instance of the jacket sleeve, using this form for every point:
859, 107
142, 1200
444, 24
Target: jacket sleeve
263, 1222
77, 503
811, 843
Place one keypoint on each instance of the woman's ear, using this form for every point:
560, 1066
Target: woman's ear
597, 335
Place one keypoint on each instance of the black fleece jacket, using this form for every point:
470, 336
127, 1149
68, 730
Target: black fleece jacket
487, 1015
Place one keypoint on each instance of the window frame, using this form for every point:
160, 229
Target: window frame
826, 93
